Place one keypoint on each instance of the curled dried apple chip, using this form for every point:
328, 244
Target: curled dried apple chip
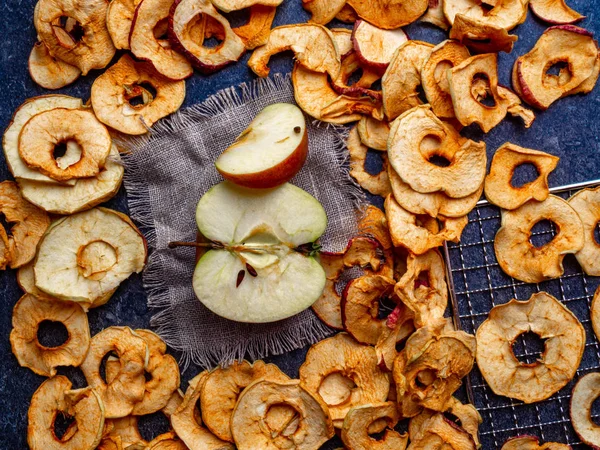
256, 32
566, 45
323, 11
345, 374
54, 397
374, 133
114, 91
585, 393
376, 47
521, 259
378, 184
124, 429
498, 183
48, 71
75, 32
355, 431
554, 11
28, 313
587, 205
313, 45
435, 14
184, 16
347, 14
119, 18
389, 15
350, 65
166, 441
505, 14
343, 40
481, 37
532, 443
439, 433
4, 249
545, 316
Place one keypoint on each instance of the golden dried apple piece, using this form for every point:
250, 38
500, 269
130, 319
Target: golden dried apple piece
54, 397
236, 5
313, 45
505, 14
374, 224
350, 65
585, 392
521, 259
113, 92
435, 14
554, 11
166, 441
389, 15
587, 205
376, 47
48, 71
439, 433
84, 256
4, 249
356, 426
256, 32
119, 17
532, 443
374, 133
323, 11
481, 37
124, 429
343, 41
515, 107
28, 313
223, 387
564, 343
347, 14
378, 184
87, 44
250, 427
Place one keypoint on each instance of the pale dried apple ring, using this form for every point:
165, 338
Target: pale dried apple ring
505, 14
376, 47
54, 396
95, 48
44, 131
256, 32
519, 258
420, 233
313, 45
28, 313
532, 443
119, 17
128, 387
554, 11
410, 155
481, 37
498, 187
323, 11
545, 316
389, 15
99, 249
585, 392
28, 225
355, 431
112, 91
223, 387
342, 355
48, 71
587, 205
378, 184
433, 76
439, 433
374, 133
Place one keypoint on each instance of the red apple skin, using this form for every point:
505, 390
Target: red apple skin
377, 67
276, 175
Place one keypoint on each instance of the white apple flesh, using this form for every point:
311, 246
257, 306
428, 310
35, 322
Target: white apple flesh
261, 229
270, 151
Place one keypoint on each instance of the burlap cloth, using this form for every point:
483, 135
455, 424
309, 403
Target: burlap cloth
168, 170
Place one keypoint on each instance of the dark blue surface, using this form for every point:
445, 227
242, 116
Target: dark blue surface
570, 129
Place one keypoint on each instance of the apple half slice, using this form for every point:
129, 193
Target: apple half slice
256, 274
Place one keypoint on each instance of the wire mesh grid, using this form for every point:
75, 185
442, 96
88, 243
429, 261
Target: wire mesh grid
477, 284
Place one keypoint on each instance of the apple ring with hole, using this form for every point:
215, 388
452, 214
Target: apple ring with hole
122, 394
54, 397
355, 431
378, 184
499, 189
506, 14
308, 428
27, 224
524, 261
114, 91
44, 131
585, 393
532, 443
223, 387
48, 71
119, 17
345, 374
85, 256
564, 343
587, 205
28, 313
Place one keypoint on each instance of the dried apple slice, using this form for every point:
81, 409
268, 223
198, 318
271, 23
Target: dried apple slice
113, 91
28, 313
343, 40
531, 443
48, 71
545, 316
587, 205
481, 37
435, 14
356, 426
374, 133
439, 433
347, 14
350, 65
566, 44
378, 184
554, 11
54, 397
84, 256
4, 249
148, 44
256, 32
124, 429
119, 17
585, 392
403, 77
323, 11
522, 260
505, 14
376, 47
498, 185
235, 5
183, 16
166, 441
313, 45
389, 15
88, 45
515, 107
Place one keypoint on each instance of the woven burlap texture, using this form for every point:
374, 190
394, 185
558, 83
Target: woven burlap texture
170, 168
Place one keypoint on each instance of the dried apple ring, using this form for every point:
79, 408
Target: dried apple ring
126, 428
256, 32
376, 47
53, 397
46, 130
498, 186
481, 37
545, 316
48, 71
439, 433
519, 258
119, 17
505, 14
98, 250
27, 223
585, 392
93, 50
127, 389
435, 15
28, 313
389, 15
378, 184
236, 5
223, 387
323, 11
343, 41
351, 64
4, 249
355, 431
117, 86
374, 133
587, 205
554, 11
532, 443
353, 365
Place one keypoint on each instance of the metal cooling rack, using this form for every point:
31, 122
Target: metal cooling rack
477, 283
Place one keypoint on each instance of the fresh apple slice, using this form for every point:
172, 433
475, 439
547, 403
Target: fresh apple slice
376, 47
270, 151
255, 273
